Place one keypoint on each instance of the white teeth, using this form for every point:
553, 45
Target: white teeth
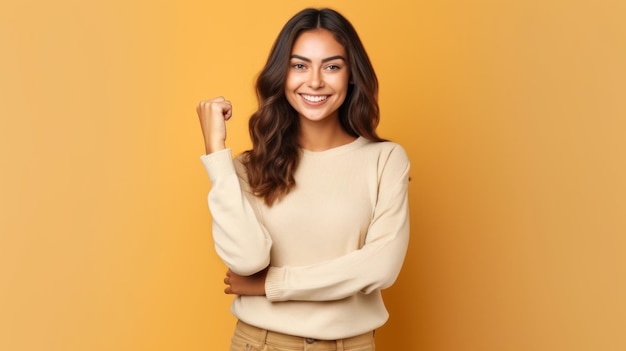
313, 98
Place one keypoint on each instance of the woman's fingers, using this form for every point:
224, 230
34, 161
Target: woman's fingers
228, 289
245, 285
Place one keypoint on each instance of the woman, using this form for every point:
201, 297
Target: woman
313, 221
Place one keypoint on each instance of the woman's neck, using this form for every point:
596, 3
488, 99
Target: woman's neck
323, 136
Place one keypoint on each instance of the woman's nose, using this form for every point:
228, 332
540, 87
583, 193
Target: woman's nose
316, 80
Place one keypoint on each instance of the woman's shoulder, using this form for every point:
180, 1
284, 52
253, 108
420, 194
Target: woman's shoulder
386, 148
392, 160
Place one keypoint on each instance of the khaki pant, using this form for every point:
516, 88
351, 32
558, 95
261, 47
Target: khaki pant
249, 338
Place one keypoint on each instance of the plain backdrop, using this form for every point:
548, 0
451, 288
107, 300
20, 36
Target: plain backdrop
512, 112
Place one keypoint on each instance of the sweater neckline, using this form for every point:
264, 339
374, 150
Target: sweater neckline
358, 142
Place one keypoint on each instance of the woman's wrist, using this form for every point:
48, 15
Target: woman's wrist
214, 147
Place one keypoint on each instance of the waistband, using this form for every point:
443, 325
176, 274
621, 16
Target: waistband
279, 339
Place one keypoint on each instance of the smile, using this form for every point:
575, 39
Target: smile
314, 98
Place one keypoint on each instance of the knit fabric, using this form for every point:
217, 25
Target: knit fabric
332, 244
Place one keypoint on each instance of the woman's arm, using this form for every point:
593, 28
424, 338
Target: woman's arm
240, 241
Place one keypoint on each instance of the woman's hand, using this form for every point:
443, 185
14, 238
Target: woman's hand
213, 115
250, 285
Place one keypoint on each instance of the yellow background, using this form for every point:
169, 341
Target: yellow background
513, 114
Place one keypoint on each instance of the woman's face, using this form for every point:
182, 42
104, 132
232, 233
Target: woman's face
318, 76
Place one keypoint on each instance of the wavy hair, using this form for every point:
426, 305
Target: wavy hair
274, 127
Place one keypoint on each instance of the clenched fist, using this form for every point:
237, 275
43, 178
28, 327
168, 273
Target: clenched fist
213, 115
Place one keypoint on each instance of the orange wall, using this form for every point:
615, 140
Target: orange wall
513, 114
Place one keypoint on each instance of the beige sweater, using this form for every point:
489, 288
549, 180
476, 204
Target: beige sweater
336, 240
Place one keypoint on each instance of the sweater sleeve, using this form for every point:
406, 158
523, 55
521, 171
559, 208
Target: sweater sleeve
375, 266
240, 240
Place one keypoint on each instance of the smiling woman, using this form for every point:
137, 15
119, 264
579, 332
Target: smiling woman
317, 83
313, 221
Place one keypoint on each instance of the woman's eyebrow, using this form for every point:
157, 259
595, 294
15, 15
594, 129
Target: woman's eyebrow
306, 59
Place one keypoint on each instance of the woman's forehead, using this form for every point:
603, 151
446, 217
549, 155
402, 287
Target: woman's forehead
317, 43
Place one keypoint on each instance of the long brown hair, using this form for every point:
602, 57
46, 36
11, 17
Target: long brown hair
274, 127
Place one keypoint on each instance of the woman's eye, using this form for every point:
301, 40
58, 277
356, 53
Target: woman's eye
333, 67
298, 66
